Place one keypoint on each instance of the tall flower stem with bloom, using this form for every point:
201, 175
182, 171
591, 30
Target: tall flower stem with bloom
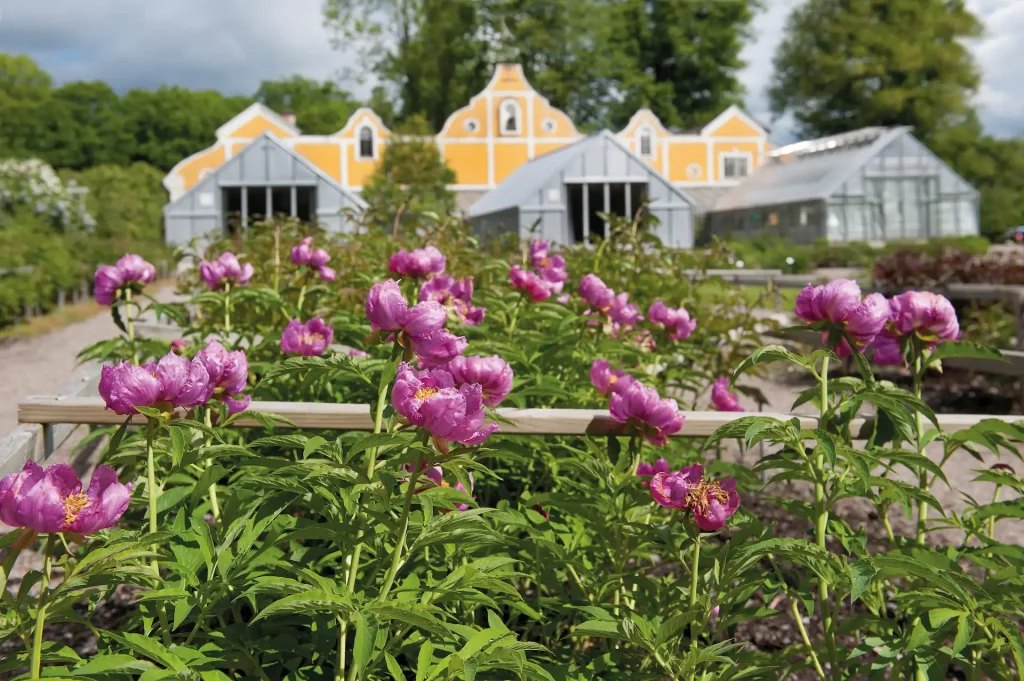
695, 569
515, 316
129, 322
214, 504
821, 524
227, 307
44, 588
302, 299
922, 507
154, 495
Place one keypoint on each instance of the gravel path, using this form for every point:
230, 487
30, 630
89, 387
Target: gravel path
45, 364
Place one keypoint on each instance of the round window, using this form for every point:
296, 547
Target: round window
471, 125
549, 125
694, 171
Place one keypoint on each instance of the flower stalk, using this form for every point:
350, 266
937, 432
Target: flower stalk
403, 529
44, 592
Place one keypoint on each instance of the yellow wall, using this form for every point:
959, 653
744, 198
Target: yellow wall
541, 148
508, 157
325, 156
209, 159
360, 169
543, 111
469, 161
510, 78
735, 127
682, 155
456, 125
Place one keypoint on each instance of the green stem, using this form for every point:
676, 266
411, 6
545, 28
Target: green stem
403, 529
695, 570
214, 504
302, 299
922, 507
277, 258
806, 639
992, 520
44, 591
154, 495
339, 674
353, 566
821, 524
227, 307
129, 323
515, 316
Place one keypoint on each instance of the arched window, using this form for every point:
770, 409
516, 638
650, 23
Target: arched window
645, 145
366, 143
510, 117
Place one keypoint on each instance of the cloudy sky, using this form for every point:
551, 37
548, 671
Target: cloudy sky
230, 45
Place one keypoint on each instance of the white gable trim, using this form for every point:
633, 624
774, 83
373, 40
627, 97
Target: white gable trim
723, 118
253, 111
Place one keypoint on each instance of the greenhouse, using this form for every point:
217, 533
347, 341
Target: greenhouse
874, 184
565, 191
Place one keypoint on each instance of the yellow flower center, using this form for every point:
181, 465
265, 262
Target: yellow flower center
612, 379
74, 505
425, 393
444, 483
546, 262
310, 338
703, 493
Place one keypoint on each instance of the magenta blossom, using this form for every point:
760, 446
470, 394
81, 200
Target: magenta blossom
528, 282
309, 339
676, 321
429, 399
130, 271
839, 303
436, 475
424, 318
722, 398
929, 316
438, 347
646, 470
710, 502
455, 295
304, 255
51, 500
551, 268
356, 352
421, 262
594, 291
624, 313
539, 254
888, 351
386, 307
606, 379
172, 382
672, 490
645, 411
229, 373
492, 374
225, 269
178, 346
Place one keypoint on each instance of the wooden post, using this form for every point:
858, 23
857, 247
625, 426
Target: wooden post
1018, 313
61, 294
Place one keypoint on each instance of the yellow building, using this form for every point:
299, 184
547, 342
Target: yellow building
507, 124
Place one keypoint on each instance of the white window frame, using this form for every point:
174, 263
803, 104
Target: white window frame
735, 155
359, 143
519, 118
640, 134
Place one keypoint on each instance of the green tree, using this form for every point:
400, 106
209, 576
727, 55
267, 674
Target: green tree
411, 179
847, 64
24, 94
83, 125
319, 108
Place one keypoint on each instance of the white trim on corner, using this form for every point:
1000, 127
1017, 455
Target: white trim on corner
255, 110
362, 111
723, 117
645, 116
735, 154
470, 187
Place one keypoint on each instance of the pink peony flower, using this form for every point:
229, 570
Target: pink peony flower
644, 410
51, 500
455, 295
839, 303
928, 316
492, 374
722, 398
174, 381
238, 406
438, 347
606, 379
676, 321
710, 502
424, 318
303, 253
436, 475
356, 352
429, 399
529, 282
539, 253
309, 339
178, 346
229, 374
624, 313
421, 262
646, 470
386, 306
327, 274
594, 291
888, 351
110, 279
226, 268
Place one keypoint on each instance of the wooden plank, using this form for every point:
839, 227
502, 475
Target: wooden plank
326, 416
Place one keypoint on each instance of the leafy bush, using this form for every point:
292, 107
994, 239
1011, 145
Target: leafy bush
257, 550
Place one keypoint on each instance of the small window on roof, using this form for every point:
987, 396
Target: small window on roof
645, 143
366, 143
735, 166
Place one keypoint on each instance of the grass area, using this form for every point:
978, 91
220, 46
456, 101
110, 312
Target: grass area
782, 298
48, 323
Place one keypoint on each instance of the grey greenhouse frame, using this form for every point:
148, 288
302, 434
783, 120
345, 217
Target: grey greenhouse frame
874, 184
562, 192
265, 178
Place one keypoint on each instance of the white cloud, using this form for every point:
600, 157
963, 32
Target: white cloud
231, 45
999, 54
